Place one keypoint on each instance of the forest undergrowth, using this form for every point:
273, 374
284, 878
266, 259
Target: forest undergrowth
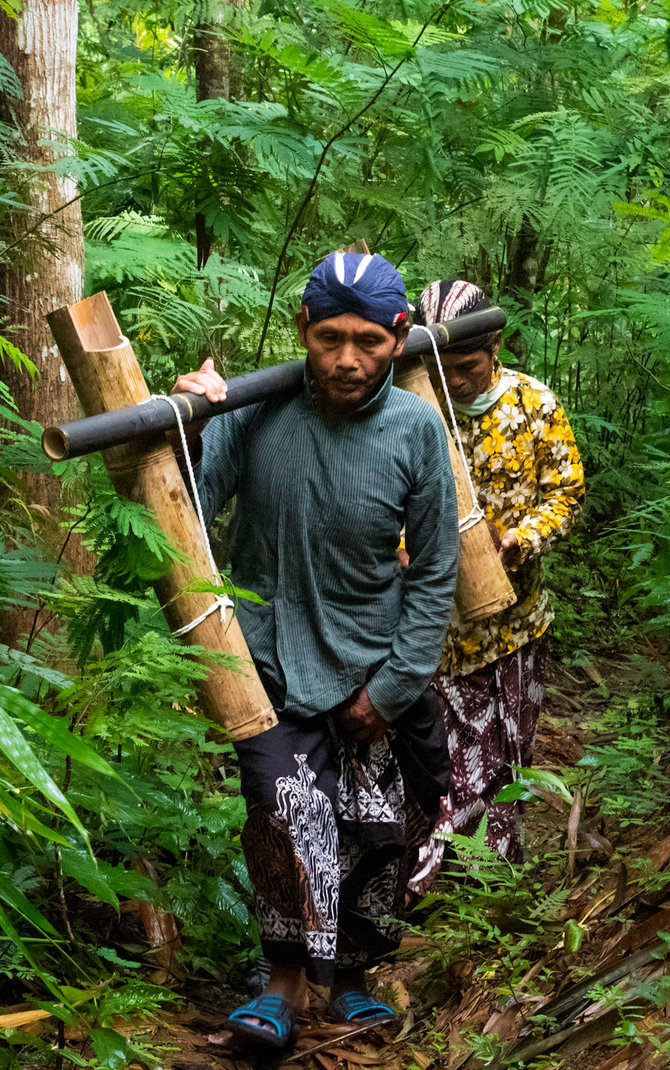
555, 965
521, 144
134, 959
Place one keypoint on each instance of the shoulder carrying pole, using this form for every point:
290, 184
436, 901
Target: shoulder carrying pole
144, 422
106, 376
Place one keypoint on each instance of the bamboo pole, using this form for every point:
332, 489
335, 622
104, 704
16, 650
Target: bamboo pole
482, 585
143, 422
106, 376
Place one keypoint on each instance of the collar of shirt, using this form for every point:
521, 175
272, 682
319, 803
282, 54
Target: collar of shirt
499, 385
368, 408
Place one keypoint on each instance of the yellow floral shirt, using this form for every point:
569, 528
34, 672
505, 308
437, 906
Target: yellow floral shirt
525, 465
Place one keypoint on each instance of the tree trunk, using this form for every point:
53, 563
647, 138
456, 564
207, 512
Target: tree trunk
527, 267
216, 77
44, 270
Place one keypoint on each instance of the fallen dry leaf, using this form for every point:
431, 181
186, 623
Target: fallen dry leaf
573, 829
328, 1062
422, 1060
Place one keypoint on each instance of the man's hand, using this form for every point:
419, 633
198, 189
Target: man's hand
205, 381
361, 720
510, 551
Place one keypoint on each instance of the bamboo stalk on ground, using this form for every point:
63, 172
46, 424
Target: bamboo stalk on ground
106, 376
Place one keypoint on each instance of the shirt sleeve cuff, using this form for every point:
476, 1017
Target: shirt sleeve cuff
390, 700
528, 546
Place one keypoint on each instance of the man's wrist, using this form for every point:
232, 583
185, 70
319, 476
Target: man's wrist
382, 703
194, 446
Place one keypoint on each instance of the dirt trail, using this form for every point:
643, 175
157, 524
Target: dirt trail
604, 928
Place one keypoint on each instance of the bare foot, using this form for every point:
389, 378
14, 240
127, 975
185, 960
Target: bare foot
289, 982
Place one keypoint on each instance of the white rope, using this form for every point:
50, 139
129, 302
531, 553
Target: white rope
476, 513
221, 601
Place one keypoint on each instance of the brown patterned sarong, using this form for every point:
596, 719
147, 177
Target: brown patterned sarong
491, 718
333, 833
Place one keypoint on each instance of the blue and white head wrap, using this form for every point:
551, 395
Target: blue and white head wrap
363, 283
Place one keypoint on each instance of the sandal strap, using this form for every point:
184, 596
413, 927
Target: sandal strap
357, 1004
269, 1007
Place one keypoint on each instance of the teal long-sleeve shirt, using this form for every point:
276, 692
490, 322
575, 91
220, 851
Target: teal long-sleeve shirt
320, 506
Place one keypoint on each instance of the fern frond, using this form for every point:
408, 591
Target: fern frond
9, 81
94, 611
165, 315
10, 352
20, 452
88, 169
370, 33
109, 228
503, 143
447, 75
23, 573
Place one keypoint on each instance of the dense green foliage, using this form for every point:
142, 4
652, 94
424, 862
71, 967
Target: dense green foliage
518, 143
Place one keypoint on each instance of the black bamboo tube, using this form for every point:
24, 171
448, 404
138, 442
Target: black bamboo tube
145, 421
155, 416
450, 335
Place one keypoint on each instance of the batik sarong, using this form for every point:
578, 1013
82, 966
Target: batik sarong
333, 832
491, 718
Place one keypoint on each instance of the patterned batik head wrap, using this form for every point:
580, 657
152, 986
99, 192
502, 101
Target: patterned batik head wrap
446, 299
449, 298
356, 282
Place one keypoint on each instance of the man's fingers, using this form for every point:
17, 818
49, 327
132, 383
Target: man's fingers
206, 381
509, 553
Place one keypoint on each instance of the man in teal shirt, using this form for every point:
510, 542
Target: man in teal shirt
345, 645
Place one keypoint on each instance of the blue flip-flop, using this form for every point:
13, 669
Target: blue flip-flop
358, 1006
269, 1007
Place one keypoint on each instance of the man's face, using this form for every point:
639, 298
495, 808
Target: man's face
467, 374
349, 357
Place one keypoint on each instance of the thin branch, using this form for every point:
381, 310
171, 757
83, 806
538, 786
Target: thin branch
34, 630
315, 177
73, 200
62, 901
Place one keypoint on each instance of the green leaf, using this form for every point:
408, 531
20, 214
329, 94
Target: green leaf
105, 881
15, 747
8, 351
30, 665
513, 792
15, 898
16, 808
544, 778
573, 935
55, 730
112, 1049
589, 760
110, 955
71, 1056
198, 586
75, 996
12, 933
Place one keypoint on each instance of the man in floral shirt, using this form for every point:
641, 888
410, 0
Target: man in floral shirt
525, 465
